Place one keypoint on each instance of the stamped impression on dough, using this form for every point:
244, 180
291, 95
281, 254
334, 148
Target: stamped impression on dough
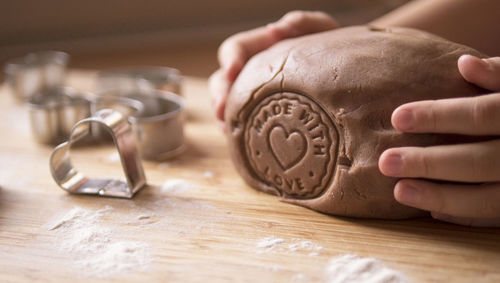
292, 144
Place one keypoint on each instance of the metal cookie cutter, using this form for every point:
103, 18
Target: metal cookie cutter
159, 127
126, 106
53, 112
35, 72
140, 79
72, 181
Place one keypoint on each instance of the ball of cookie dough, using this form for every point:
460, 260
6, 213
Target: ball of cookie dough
308, 118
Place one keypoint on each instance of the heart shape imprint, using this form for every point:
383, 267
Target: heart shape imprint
287, 148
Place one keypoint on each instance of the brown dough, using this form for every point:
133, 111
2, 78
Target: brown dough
308, 118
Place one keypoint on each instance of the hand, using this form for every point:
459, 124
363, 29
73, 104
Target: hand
475, 202
239, 48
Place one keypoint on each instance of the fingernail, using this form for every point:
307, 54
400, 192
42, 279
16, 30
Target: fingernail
404, 120
393, 165
409, 195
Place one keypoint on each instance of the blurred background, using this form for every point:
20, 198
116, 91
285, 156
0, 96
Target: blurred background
102, 34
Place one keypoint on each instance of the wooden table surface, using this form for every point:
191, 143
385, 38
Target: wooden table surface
211, 230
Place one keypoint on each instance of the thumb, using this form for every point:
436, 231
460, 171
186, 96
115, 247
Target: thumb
481, 72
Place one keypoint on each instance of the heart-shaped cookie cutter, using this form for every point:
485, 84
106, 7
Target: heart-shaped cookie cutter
72, 181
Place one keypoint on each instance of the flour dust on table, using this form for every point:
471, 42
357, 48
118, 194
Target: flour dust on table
352, 268
273, 243
93, 247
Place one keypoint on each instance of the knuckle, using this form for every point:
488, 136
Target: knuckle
214, 80
439, 202
425, 165
299, 18
323, 16
224, 47
431, 117
480, 165
231, 42
494, 65
482, 112
232, 45
296, 16
425, 115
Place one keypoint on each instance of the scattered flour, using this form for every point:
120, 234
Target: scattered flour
269, 242
176, 186
297, 245
77, 218
117, 257
306, 244
343, 269
113, 157
209, 174
92, 246
352, 268
88, 240
275, 268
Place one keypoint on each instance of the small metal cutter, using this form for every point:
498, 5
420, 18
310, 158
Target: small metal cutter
54, 112
124, 105
159, 127
72, 181
35, 72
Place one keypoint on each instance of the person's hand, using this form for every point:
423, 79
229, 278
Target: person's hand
476, 200
235, 51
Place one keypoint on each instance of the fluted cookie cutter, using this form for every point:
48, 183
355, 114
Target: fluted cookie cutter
35, 72
53, 113
140, 79
72, 181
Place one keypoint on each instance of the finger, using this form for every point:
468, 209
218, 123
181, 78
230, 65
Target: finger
298, 23
482, 72
237, 49
475, 162
467, 221
219, 89
469, 201
233, 56
478, 115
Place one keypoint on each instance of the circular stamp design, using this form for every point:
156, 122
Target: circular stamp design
291, 144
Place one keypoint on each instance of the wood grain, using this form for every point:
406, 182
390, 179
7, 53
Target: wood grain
210, 232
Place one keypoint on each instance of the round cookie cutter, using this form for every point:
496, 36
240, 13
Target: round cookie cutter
35, 72
53, 112
159, 127
140, 79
